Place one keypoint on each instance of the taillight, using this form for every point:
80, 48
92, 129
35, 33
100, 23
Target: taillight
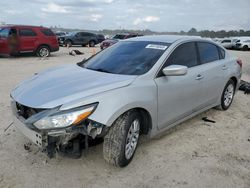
239, 62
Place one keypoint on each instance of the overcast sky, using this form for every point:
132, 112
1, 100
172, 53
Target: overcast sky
157, 15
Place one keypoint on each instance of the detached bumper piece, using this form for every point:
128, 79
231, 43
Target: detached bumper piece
35, 137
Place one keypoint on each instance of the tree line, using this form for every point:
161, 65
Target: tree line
192, 31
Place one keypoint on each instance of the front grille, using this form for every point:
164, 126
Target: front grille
26, 111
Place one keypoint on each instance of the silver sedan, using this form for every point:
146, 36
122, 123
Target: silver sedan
143, 85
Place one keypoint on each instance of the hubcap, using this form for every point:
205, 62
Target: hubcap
228, 95
44, 52
132, 139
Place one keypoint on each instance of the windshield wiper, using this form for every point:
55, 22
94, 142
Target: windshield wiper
100, 70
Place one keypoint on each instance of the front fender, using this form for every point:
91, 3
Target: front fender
115, 102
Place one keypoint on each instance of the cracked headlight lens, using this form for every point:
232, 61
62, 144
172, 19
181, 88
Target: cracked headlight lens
65, 119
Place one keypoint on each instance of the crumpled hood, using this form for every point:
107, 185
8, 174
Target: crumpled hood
64, 84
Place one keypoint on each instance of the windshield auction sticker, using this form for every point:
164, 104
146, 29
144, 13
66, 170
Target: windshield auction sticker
156, 46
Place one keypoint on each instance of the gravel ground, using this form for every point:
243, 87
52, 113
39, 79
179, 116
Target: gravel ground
193, 154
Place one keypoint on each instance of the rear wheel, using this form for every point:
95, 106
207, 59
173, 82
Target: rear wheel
227, 95
245, 48
91, 43
121, 141
43, 51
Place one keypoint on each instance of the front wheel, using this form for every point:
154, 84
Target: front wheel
43, 51
68, 43
227, 95
121, 141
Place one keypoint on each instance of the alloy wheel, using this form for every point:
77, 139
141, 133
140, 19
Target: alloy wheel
132, 139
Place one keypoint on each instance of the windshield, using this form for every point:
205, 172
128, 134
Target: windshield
119, 36
72, 33
128, 57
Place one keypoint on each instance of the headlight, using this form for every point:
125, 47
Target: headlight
66, 118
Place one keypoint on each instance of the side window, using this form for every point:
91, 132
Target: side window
208, 52
88, 35
226, 41
47, 32
83, 34
27, 32
184, 54
78, 34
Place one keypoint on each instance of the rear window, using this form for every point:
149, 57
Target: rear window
208, 52
27, 32
47, 32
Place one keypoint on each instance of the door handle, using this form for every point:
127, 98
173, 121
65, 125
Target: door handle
199, 77
224, 67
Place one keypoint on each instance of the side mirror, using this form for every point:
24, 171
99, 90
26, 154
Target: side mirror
175, 70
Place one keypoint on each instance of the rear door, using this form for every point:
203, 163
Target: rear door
86, 37
214, 70
179, 96
77, 38
28, 38
4, 34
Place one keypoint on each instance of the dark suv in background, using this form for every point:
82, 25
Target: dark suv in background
116, 38
17, 39
79, 38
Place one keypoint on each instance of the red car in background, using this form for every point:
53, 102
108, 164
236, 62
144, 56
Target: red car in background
116, 38
17, 39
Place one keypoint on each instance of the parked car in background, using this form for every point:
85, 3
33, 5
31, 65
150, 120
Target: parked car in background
217, 40
109, 42
61, 33
140, 86
18, 39
243, 44
79, 38
100, 38
228, 43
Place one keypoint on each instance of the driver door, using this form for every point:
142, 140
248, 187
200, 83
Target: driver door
179, 96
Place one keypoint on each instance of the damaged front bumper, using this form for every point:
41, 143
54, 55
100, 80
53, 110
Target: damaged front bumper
55, 139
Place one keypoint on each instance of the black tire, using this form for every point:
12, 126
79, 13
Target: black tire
43, 51
245, 48
116, 139
224, 105
91, 43
68, 43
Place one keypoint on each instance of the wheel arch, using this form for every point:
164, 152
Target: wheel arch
145, 115
68, 40
234, 80
40, 45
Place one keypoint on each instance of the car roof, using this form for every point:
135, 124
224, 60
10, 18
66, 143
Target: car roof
163, 38
27, 26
